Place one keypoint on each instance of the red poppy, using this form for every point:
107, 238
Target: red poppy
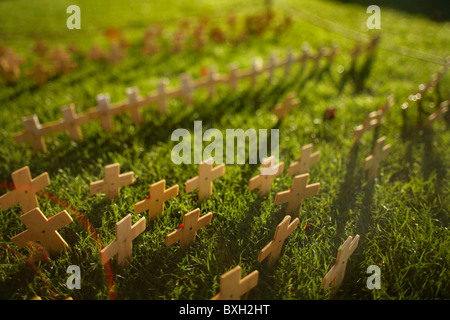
149, 196
180, 226
204, 71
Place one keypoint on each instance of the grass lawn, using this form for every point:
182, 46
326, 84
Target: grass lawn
402, 216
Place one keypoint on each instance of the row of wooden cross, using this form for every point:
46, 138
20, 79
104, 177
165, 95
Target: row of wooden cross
61, 60
34, 132
44, 229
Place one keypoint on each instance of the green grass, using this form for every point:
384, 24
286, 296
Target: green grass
401, 217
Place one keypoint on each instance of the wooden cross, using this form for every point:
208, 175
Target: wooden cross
40, 48
300, 190
187, 87
306, 160
73, 122
289, 61
133, 104
32, 134
10, 66
282, 109
187, 232
25, 190
112, 182
162, 95
40, 73
155, 201
61, 61
273, 249
204, 181
43, 229
123, 245
96, 53
263, 181
232, 287
372, 162
211, 82
257, 65
272, 66
441, 110
370, 123
233, 78
104, 108
337, 272
117, 53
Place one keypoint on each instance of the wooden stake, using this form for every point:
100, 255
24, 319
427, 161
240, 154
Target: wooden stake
204, 181
43, 229
25, 190
232, 287
272, 67
155, 201
112, 182
263, 180
337, 272
273, 249
306, 160
32, 134
372, 162
294, 197
187, 232
282, 109
73, 122
123, 245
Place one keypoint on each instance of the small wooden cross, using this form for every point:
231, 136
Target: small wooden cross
133, 104
62, 61
257, 65
112, 182
162, 95
155, 201
271, 67
43, 229
273, 249
117, 53
25, 190
282, 109
337, 272
187, 87
72, 122
123, 245
40, 48
289, 62
204, 181
233, 77
40, 73
232, 287
300, 190
211, 82
306, 160
187, 232
96, 53
370, 123
104, 108
263, 181
32, 134
440, 111
372, 162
